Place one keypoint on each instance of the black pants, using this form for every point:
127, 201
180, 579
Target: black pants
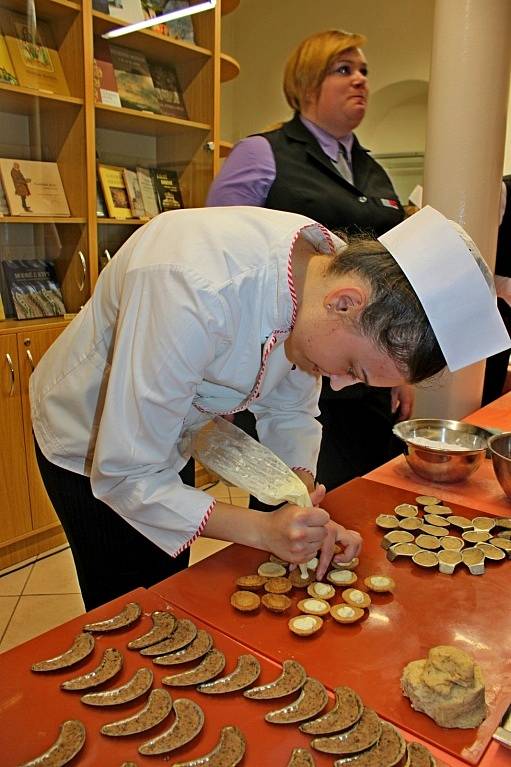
496, 366
110, 556
357, 435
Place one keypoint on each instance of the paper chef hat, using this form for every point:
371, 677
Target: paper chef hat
453, 284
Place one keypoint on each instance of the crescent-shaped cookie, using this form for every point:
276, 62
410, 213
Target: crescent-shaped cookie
212, 664
69, 742
300, 757
419, 756
246, 672
362, 735
138, 685
312, 699
228, 752
130, 613
83, 645
164, 624
188, 723
345, 713
157, 708
196, 649
292, 678
388, 751
111, 664
184, 632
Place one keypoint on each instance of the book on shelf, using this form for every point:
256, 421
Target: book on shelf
134, 193
126, 10
181, 29
34, 288
101, 6
105, 84
166, 184
7, 73
148, 192
152, 9
101, 210
168, 90
114, 190
4, 208
33, 188
134, 82
33, 53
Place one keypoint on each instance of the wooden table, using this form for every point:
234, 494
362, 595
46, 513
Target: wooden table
428, 608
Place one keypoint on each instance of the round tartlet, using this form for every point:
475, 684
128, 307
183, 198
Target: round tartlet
305, 625
451, 543
429, 542
427, 500
345, 565
440, 509
245, 601
436, 519
425, 558
387, 521
344, 613
437, 532
475, 536
380, 583
356, 598
276, 603
280, 585
298, 581
313, 606
251, 582
271, 570
483, 523
396, 536
342, 577
410, 523
321, 590
406, 510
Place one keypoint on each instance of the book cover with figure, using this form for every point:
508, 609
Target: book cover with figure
181, 29
34, 288
126, 10
134, 82
168, 90
7, 74
166, 184
105, 84
114, 191
33, 188
33, 53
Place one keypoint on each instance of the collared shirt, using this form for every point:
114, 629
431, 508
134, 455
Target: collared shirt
249, 170
172, 334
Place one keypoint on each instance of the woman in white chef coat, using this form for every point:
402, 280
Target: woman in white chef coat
202, 312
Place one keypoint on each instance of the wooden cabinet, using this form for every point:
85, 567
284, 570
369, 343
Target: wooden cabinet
29, 524
75, 132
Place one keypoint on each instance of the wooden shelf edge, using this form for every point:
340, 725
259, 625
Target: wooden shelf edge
229, 67
42, 219
19, 90
10, 325
225, 148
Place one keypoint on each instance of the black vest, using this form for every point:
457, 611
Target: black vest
503, 260
308, 183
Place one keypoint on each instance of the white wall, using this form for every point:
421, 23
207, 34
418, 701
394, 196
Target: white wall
260, 34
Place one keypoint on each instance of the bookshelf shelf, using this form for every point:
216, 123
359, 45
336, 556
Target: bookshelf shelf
229, 68
144, 123
47, 9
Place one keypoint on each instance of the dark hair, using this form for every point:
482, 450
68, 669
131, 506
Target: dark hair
394, 318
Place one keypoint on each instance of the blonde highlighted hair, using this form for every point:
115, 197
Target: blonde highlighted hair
310, 62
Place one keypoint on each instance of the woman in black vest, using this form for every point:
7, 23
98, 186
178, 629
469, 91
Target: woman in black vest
314, 165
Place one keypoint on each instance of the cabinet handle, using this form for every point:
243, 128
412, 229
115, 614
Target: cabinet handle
81, 282
30, 359
11, 371
107, 255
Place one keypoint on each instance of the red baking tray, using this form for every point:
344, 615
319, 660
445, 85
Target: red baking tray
427, 609
32, 706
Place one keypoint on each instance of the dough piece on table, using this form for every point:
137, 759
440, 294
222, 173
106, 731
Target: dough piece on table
447, 686
245, 601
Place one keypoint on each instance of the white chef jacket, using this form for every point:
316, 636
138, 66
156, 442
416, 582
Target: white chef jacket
189, 319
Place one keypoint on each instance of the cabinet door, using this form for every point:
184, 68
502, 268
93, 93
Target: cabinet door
31, 347
14, 493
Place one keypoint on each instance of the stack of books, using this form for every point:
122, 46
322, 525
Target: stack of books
137, 192
125, 78
130, 11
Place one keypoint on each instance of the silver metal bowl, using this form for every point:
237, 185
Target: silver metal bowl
442, 450
500, 450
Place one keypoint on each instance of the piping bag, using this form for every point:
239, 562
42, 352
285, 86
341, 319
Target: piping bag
240, 460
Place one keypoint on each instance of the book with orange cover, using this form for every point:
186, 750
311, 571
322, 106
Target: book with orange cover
7, 74
114, 191
33, 53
